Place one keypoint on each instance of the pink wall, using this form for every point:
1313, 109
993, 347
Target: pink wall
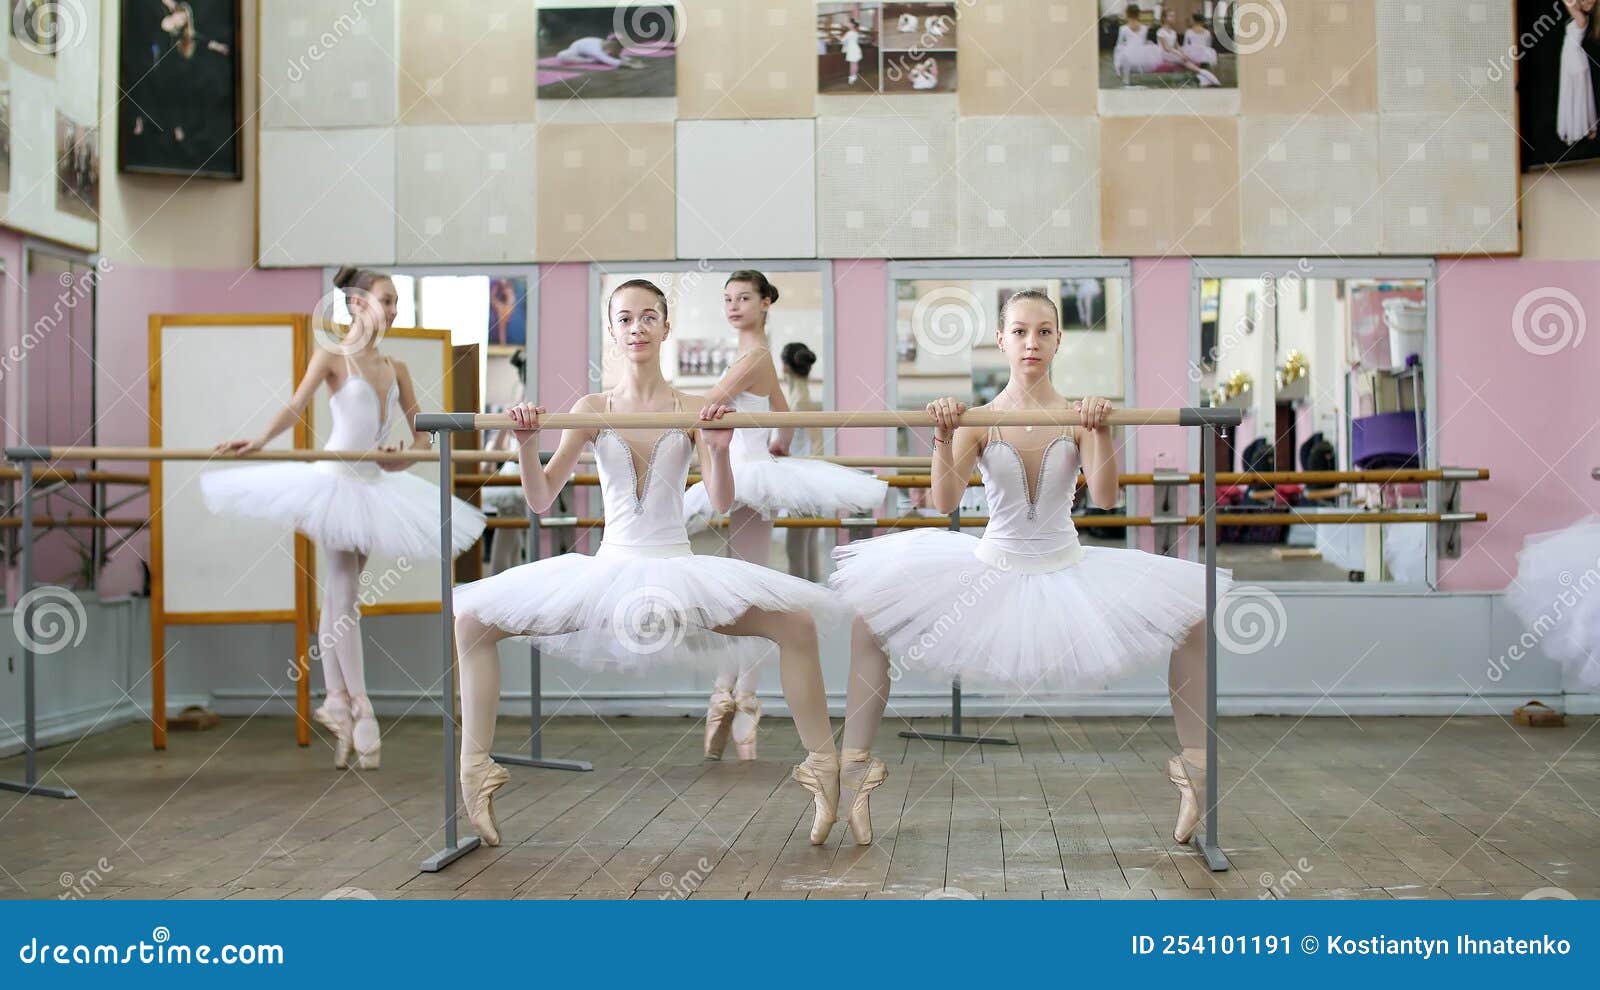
1532, 418
1161, 370
564, 362
128, 296
861, 371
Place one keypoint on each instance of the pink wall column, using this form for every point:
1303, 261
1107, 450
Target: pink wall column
1161, 372
1517, 395
564, 359
861, 372
127, 298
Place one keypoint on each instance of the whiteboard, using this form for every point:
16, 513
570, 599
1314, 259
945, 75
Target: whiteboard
213, 383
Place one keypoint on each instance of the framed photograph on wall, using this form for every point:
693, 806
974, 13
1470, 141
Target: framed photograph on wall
1558, 81
606, 52
179, 77
77, 168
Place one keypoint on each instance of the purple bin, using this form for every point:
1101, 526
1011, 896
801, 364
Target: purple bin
1387, 440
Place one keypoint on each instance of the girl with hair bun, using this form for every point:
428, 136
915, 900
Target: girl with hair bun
767, 481
349, 509
1026, 606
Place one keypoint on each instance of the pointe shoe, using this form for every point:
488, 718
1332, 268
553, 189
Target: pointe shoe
1191, 783
364, 736
749, 712
819, 774
478, 784
719, 723
334, 715
859, 774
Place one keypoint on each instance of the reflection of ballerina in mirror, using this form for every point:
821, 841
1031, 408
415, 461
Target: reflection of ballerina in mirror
1173, 56
1575, 110
851, 43
1086, 291
607, 51
1198, 44
925, 74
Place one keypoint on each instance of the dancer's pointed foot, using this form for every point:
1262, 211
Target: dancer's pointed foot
334, 715
1190, 779
859, 774
719, 722
745, 721
479, 781
364, 736
819, 774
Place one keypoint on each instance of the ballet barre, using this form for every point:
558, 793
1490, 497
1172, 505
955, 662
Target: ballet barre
1209, 420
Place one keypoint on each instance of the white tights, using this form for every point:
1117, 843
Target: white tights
799, 668
749, 539
339, 629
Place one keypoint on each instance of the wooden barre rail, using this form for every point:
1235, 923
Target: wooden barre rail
1079, 522
1378, 477
43, 476
837, 418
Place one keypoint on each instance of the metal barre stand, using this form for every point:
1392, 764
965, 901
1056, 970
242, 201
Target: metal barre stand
955, 734
441, 425
29, 785
536, 757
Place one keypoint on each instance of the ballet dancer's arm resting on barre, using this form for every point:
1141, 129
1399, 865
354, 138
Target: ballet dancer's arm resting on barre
408, 406
955, 452
319, 370
716, 470
1097, 451
542, 482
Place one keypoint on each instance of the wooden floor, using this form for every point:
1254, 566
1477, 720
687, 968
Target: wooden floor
1079, 808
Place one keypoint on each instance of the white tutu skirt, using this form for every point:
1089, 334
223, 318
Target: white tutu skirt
1556, 594
635, 610
798, 486
933, 605
367, 510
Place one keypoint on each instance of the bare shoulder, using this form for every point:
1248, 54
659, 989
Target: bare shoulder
690, 401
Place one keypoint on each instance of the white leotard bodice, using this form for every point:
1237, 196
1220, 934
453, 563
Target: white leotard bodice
644, 512
750, 443
361, 419
1030, 519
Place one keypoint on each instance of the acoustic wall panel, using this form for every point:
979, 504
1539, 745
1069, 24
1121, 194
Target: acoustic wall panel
886, 187
466, 194
467, 62
1169, 185
1029, 186
605, 193
329, 64
1320, 57
327, 197
1031, 57
1439, 56
1449, 183
747, 189
747, 60
1309, 184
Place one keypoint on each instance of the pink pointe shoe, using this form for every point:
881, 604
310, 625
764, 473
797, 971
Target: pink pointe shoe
719, 723
364, 736
819, 774
478, 784
745, 721
859, 775
1191, 783
334, 715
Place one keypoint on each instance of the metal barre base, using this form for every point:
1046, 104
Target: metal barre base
444, 857
543, 763
37, 790
1216, 859
956, 737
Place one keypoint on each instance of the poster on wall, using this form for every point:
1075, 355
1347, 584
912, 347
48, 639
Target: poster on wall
607, 52
1160, 47
77, 168
872, 47
508, 315
1558, 83
179, 112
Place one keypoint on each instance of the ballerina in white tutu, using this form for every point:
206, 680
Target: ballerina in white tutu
1198, 42
1575, 108
1026, 605
350, 510
766, 482
1556, 594
642, 600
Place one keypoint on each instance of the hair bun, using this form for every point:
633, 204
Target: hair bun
799, 358
346, 276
